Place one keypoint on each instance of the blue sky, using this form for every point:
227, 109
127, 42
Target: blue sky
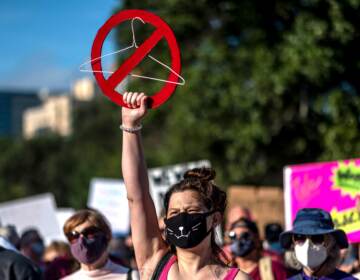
43, 42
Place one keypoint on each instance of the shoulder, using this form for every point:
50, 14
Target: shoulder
338, 274
155, 264
117, 268
277, 267
18, 263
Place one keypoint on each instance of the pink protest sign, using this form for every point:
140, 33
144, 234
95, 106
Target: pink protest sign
332, 186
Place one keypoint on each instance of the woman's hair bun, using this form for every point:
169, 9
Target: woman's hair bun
203, 174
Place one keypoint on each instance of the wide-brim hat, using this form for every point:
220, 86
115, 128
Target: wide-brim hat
313, 221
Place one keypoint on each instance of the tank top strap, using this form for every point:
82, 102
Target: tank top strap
232, 273
165, 271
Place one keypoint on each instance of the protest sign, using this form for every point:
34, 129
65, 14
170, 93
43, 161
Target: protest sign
162, 31
332, 186
62, 214
32, 212
109, 197
162, 178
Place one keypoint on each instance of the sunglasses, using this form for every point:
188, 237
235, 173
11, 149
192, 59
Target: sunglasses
245, 235
88, 233
315, 239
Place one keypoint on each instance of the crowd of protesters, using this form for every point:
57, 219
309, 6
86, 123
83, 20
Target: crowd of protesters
313, 249
183, 243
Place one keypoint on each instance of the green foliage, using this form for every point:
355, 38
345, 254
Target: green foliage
268, 83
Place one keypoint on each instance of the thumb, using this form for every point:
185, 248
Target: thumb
143, 103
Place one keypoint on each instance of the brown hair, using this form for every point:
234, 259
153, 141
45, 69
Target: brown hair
94, 217
201, 181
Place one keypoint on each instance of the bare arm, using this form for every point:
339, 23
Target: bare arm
144, 224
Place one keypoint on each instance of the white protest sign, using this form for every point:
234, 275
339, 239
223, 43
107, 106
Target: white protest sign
62, 215
162, 178
37, 212
109, 197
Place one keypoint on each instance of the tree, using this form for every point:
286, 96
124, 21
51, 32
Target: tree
268, 83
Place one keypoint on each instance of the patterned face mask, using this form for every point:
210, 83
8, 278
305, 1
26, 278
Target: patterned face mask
88, 251
187, 230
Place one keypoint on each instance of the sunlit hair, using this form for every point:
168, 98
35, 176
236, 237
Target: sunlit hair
331, 262
61, 248
201, 181
94, 217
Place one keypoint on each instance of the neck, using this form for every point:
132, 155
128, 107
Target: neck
96, 265
192, 260
249, 262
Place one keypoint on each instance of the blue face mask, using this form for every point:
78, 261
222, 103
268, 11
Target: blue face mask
242, 246
38, 248
276, 247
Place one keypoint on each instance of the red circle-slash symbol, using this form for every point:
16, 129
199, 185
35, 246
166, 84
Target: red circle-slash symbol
162, 30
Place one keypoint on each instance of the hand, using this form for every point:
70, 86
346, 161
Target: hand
133, 115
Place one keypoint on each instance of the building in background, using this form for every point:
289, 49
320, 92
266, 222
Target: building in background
13, 103
83, 89
54, 115
34, 113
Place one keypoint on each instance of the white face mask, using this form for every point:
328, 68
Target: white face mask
310, 255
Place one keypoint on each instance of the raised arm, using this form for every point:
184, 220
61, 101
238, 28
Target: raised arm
146, 235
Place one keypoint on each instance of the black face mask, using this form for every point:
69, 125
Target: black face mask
187, 230
243, 246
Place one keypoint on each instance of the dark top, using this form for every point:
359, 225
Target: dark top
337, 274
14, 266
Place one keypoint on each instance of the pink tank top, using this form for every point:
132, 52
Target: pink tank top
164, 274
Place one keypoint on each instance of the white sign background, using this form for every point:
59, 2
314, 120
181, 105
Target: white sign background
37, 212
162, 178
109, 197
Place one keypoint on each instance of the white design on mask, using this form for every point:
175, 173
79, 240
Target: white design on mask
310, 255
182, 235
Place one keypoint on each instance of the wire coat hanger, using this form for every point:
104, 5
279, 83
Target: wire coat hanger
134, 45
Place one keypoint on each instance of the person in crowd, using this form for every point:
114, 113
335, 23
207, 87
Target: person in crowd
271, 243
58, 261
193, 208
14, 266
247, 252
233, 214
349, 261
236, 212
119, 252
32, 246
89, 234
356, 247
272, 238
55, 250
315, 245
9, 238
